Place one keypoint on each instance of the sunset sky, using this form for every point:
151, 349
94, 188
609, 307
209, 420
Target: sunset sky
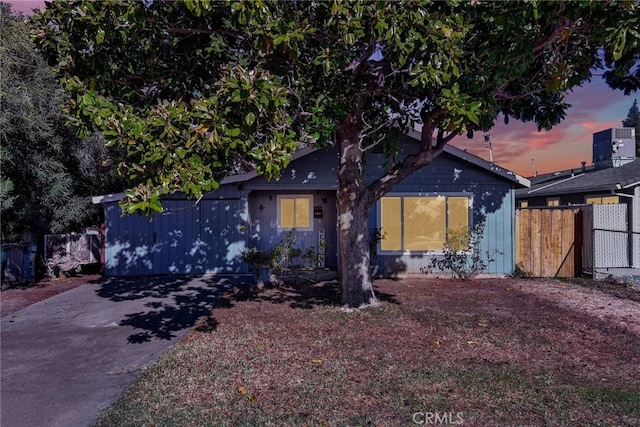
595, 107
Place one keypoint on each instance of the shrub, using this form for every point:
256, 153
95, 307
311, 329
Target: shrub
255, 257
462, 256
520, 272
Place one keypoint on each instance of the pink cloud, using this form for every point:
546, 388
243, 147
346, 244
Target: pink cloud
26, 6
594, 107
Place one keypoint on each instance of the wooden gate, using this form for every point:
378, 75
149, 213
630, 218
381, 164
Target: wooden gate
549, 241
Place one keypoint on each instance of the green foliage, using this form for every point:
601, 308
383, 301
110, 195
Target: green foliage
277, 258
255, 257
47, 174
462, 255
189, 92
285, 252
315, 256
633, 121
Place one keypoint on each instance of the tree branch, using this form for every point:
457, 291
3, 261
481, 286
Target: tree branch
428, 151
356, 63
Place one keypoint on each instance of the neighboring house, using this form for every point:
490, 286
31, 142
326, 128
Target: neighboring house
613, 178
582, 186
456, 190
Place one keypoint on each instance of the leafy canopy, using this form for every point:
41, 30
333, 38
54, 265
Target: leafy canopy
188, 92
46, 173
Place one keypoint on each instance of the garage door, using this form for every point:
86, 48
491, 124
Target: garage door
224, 225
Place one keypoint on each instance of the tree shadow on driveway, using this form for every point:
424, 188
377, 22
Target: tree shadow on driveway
165, 305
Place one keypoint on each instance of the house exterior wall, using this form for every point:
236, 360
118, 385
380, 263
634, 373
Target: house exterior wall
493, 203
570, 199
315, 171
565, 200
265, 234
209, 237
185, 239
315, 174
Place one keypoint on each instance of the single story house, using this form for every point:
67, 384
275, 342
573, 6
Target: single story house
586, 185
416, 217
613, 176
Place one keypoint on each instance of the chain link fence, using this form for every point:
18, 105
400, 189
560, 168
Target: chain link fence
610, 247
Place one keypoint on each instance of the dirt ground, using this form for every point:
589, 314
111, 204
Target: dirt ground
500, 352
17, 298
615, 303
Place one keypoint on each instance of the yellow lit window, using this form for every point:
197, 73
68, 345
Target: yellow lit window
458, 230
415, 223
391, 223
424, 223
295, 212
553, 202
524, 204
606, 200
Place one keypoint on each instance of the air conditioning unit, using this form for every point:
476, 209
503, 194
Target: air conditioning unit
614, 147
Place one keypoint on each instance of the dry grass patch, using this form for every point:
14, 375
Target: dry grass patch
483, 352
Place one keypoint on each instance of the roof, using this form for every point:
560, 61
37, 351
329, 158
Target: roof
491, 167
610, 179
449, 149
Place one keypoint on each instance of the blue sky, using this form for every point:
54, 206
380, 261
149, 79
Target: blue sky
595, 107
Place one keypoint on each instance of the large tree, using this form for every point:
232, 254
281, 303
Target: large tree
633, 121
47, 174
189, 91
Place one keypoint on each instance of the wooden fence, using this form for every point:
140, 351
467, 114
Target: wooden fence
549, 241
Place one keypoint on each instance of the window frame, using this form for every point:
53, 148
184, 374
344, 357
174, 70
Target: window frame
601, 197
294, 197
468, 196
553, 202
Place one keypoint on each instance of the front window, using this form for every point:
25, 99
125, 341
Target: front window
553, 201
422, 223
294, 211
605, 200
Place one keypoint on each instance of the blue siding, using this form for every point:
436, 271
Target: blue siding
224, 230
264, 225
187, 238
176, 243
493, 204
128, 243
315, 171
209, 237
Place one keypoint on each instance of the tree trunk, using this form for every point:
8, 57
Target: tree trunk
353, 243
353, 215
355, 199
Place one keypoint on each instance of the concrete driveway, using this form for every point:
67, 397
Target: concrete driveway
66, 358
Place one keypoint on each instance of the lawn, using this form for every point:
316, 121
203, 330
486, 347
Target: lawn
480, 353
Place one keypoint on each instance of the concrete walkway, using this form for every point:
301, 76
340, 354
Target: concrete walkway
65, 359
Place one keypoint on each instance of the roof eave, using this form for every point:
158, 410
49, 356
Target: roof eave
106, 198
243, 177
